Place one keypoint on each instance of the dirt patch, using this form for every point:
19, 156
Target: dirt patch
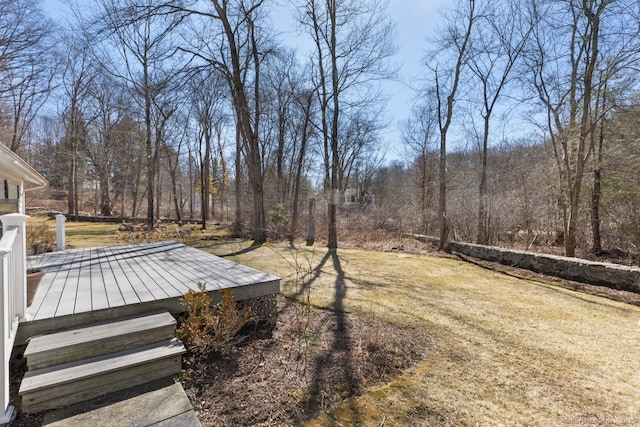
312, 362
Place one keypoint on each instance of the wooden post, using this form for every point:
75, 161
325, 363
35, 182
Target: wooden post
6, 411
13, 298
19, 279
311, 230
60, 232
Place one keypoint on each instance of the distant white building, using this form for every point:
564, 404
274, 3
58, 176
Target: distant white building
352, 197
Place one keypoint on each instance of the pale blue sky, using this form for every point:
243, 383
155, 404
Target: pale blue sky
415, 20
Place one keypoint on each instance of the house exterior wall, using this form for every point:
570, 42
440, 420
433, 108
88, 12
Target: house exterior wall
11, 195
15, 173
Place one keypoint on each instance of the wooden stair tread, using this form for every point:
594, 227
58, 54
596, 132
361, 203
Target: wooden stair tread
97, 332
74, 371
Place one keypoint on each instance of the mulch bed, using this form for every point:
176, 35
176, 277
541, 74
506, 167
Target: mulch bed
312, 361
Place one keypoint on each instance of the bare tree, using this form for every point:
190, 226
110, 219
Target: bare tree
28, 65
101, 150
567, 84
208, 111
235, 46
129, 137
137, 47
498, 41
419, 135
77, 78
289, 107
304, 134
176, 138
279, 104
353, 41
455, 43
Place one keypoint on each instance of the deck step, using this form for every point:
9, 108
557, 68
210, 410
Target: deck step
69, 383
98, 339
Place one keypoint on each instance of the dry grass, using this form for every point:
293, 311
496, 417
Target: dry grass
96, 234
90, 235
507, 351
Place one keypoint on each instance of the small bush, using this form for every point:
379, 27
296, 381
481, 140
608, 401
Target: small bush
210, 327
278, 216
279, 222
38, 231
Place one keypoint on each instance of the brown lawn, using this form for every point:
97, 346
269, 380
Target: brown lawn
392, 338
503, 350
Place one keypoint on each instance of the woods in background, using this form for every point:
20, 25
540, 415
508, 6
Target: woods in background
524, 131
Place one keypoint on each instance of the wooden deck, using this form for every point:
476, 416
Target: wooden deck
109, 282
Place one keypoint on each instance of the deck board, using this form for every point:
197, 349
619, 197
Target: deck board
99, 298
98, 279
112, 290
69, 291
48, 287
134, 273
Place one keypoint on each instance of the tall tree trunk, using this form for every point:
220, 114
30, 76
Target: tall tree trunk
192, 179
151, 158
595, 212
134, 193
333, 207
176, 197
174, 194
597, 184
424, 194
205, 177
237, 223
247, 122
586, 122
483, 214
105, 198
71, 195
298, 168
123, 201
255, 158
311, 225
158, 193
442, 194
281, 189
445, 122
223, 174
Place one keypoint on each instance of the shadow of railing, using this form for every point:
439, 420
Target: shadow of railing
97, 255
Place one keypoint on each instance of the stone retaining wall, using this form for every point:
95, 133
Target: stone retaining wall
596, 273
119, 220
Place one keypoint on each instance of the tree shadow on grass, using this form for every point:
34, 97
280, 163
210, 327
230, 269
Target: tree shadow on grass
307, 282
338, 360
246, 250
